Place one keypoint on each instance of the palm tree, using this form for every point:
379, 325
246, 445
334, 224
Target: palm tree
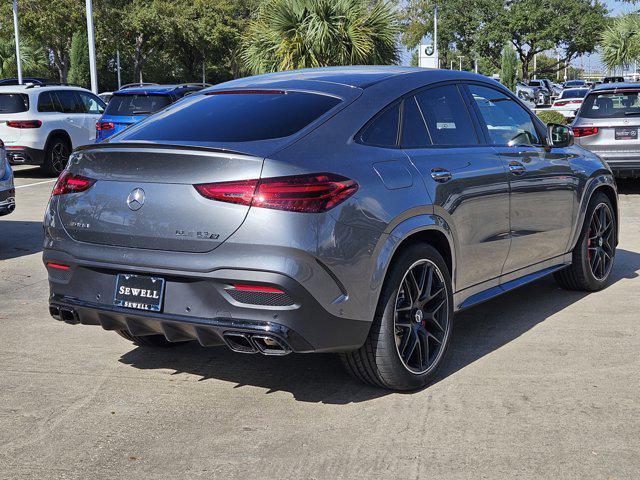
621, 41
34, 60
290, 34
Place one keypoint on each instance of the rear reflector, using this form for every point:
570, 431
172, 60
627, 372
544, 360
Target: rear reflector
256, 288
299, 193
24, 123
584, 131
105, 126
70, 183
58, 266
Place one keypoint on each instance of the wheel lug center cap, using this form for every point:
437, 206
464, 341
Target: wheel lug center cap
418, 316
600, 242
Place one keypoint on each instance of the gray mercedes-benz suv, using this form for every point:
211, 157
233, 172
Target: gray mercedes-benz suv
348, 210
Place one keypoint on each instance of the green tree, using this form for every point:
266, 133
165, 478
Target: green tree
79, 60
33, 59
621, 41
509, 68
482, 27
290, 34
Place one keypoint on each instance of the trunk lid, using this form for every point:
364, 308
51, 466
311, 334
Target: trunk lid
144, 197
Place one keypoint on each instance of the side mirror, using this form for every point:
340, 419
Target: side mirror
559, 136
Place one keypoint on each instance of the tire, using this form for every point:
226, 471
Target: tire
149, 340
55, 156
397, 328
587, 273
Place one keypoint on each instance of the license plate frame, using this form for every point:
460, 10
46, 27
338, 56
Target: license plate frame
139, 292
626, 133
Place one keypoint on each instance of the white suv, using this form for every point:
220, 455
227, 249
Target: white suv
41, 125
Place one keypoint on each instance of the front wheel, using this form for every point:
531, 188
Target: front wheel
411, 331
594, 253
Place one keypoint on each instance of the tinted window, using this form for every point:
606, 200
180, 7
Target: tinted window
574, 93
383, 130
507, 122
91, 103
611, 105
126, 105
69, 101
13, 102
48, 102
414, 131
447, 116
238, 117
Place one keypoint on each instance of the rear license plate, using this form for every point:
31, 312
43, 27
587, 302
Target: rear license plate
139, 292
624, 133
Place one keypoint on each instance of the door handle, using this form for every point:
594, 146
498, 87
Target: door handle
441, 175
517, 168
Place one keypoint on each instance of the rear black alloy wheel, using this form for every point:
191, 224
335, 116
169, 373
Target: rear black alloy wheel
594, 254
421, 320
600, 242
56, 156
412, 327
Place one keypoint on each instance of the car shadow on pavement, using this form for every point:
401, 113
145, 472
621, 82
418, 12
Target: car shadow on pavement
320, 378
18, 238
34, 173
628, 186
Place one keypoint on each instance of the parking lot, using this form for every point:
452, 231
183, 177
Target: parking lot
541, 383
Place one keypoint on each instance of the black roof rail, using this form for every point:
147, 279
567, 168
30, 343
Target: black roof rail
134, 85
194, 84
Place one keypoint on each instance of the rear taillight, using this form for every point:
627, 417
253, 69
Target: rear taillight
299, 193
575, 101
70, 183
24, 123
559, 104
100, 126
584, 131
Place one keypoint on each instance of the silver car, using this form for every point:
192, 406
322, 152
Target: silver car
7, 190
349, 210
608, 123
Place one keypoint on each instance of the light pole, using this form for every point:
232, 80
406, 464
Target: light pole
460, 59
15, 32
92, 48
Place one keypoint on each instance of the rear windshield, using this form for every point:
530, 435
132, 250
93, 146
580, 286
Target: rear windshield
578, 93
611, 105
125, 105
234, 117
13, 102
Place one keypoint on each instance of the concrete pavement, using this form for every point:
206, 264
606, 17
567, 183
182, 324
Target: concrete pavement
541, 384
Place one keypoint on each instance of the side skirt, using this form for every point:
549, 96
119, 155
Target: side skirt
463, 301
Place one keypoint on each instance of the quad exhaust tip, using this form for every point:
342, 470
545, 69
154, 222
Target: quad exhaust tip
256, 343
64, 314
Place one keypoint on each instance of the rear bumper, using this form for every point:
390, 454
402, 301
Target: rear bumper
201, 308
25, 156
7, 201
626, 166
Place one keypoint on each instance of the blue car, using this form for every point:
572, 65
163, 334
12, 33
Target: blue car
132, 103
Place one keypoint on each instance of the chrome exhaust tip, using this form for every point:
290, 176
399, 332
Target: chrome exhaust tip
268, 345
239, 342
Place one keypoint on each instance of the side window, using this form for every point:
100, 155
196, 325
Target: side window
414, 131
70, 102
91, 103
447, 117
383, 131
507, 122
47, 102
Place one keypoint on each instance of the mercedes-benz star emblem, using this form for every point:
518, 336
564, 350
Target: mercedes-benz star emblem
136, 198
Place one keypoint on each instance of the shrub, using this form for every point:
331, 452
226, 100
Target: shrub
551, 116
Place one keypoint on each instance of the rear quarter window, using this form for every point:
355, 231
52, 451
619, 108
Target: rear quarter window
233, 116
14, 102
